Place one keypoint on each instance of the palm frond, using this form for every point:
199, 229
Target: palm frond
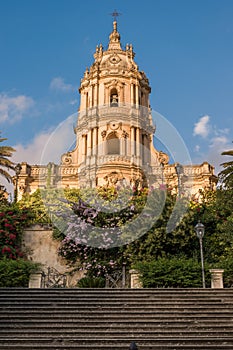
5, 162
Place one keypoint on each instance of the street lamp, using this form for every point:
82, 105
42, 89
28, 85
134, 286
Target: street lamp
18, 168
179, 171
200, 230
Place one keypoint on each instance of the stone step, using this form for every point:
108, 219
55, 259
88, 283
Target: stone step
145, 298
76, 299
115, 318
162, 293
110, 319
107, 343
66, 311
181, 324
94, 291
100, 331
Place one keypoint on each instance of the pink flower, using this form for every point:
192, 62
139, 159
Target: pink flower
12, 236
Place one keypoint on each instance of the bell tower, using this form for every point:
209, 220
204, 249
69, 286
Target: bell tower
114, 131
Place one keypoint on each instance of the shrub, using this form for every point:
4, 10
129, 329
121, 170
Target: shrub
172, 273
91, 282
16, 273
227, 265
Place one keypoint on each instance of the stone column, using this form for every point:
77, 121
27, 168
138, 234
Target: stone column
84, 145
35, 280
137, 103
83, 101
216, 278
135, 279
94, 141
87, 101
101, 144
120, 98
96, 95
132, 141
138, 141
91, 96
131, 94
106, 96
89, 143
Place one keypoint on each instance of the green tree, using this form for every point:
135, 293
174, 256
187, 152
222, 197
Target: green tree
159, 242
226, 175
86, 206
217, 216
5, 163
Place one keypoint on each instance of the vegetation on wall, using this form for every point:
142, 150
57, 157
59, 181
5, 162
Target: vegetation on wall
12, 222
14, 268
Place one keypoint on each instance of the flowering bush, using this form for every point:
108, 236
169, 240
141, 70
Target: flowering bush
12, 222
94, 232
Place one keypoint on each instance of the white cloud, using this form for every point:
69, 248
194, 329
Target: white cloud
58, 84
218, 145
215, 147
48, 146
13, 108
202, 127
218, 141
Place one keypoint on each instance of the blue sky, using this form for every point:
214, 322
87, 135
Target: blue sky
184, 46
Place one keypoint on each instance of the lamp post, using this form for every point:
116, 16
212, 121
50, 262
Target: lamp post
200, 230
179, 171
18, 168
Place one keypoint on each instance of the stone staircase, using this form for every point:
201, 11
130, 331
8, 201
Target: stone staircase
99, 319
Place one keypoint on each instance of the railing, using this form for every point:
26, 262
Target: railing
113, 158
117, 111
117, 279
53, 279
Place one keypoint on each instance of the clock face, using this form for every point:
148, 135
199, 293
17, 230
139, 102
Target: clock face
114, 125
114, 59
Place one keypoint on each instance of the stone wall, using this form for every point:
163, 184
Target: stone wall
39, 246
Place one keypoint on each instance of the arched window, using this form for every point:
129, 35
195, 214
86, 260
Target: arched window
113, 144
114, 98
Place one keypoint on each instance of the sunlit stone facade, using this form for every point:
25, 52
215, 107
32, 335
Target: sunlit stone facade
114, 134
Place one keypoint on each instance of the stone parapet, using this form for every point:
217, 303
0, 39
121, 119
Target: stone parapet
216, 278
135, 279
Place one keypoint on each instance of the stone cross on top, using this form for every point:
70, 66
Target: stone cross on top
115, 14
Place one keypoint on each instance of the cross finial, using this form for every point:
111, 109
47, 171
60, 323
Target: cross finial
115, 14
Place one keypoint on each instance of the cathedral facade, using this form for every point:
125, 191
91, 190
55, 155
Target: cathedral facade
114, 134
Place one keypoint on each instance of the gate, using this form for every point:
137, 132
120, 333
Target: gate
117, 279
53, 279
